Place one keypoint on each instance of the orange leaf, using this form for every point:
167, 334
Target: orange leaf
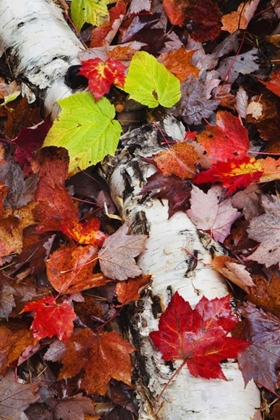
181, 160
274, 82
239, 19
236, 174
84, 233
102, 75
99, 357
51, 318
178, 63
70, 270
129, 290
271, 169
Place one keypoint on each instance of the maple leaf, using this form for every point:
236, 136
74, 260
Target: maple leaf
231, 67
180, 160
208, 213
273, 83
102, 75
70, 270
84, 233
14, 338
177, 191
116, 257
236, 174
86, 128
179, 63
99, 357
227, 139
200, 17
194, 104
261, 360
16, 397
90, 11
51, 318
239, 19
199, 335
129, 290
150, 83
264, 229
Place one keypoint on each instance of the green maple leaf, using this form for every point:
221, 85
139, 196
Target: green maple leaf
90, 11
150, 83
85, 128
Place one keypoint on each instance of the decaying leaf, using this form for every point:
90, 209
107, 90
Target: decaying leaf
117, 254
99, 357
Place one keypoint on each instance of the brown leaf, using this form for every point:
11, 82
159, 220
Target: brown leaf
234, 271
179, 63
14, 338
116, 256
16, 397
99, 357
129, 290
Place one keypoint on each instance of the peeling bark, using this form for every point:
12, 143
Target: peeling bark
40, 47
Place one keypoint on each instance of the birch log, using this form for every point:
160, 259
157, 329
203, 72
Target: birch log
170, 265
40, 47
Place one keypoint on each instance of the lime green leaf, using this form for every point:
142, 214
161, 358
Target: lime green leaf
86, 129
90, 11
150, 83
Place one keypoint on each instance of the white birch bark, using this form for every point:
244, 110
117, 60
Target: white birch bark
169, 264
40, 46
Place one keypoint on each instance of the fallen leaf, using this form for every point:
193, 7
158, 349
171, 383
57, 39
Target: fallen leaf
51, 318
264, 229
15, 397
232, 66
102, 75
179, 63
226, 140
116, 257
129, 290
234, 271
89, 11
70, 270
199, 335
260, 361
208, 213
241, 18
235, 174
99, 357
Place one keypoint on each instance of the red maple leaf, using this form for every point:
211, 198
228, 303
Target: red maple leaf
226, 140
51, 318
199, 335
102, 75
236, 174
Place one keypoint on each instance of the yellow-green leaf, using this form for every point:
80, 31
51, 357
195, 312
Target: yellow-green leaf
150, 83
90, 11
86, 128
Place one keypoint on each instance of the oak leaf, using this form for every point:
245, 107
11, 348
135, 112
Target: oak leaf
208, 213
265, 229
199, 335
102, 75
116, 257
51, 318
99, 358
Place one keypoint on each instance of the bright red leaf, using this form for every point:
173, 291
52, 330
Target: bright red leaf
226, 140
102, 75
51, 318
235, 174
199, 335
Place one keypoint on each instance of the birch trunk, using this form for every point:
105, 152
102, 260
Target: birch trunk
40, 47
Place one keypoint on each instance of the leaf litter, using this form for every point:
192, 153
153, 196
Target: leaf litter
69, 269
